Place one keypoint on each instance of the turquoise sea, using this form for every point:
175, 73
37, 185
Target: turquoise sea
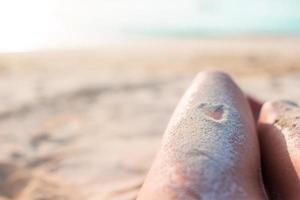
218, 17
36, 24
184, 17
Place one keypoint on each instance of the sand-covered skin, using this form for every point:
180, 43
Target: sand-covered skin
89, 122
210, 148
280, 147
288, 115
286, 118
208, 152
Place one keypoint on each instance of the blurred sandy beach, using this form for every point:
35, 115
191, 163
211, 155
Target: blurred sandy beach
86, 123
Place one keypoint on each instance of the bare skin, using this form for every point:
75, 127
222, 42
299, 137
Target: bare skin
279, 133
210, 149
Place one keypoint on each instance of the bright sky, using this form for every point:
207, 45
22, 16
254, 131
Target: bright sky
25, 25
33, 24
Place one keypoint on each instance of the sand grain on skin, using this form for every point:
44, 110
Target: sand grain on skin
288, 121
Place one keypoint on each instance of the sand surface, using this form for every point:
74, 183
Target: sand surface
85, 124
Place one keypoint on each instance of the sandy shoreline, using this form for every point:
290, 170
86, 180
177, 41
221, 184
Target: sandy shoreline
85, 124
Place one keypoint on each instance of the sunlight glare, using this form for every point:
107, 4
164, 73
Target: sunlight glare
26, 25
